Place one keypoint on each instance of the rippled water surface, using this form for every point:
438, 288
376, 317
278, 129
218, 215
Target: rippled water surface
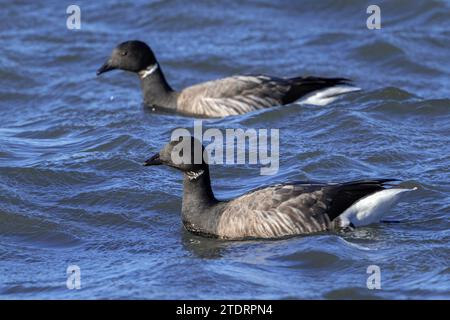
73, 190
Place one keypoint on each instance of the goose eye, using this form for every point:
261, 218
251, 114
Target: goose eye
123, 53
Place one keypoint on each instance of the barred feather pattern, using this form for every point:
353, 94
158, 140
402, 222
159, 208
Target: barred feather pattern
277, 211
233, 95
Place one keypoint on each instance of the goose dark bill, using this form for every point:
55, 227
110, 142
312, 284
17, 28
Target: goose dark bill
105, 68
153, 161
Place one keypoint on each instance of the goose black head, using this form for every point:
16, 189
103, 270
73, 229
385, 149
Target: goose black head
134, 56
185, 154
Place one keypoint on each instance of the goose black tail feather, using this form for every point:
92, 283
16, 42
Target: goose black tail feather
346, 194
302, 86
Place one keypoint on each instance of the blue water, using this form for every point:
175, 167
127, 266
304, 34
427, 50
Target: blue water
73, 190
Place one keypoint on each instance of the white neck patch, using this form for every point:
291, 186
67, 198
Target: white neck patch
148, 71
194, 175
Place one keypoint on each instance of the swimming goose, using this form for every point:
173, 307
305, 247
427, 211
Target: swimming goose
276, 211
220, 98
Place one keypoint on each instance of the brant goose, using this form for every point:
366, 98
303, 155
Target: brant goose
220, 98
275, 211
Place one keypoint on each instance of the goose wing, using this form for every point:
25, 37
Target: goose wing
291, 209
233, 95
